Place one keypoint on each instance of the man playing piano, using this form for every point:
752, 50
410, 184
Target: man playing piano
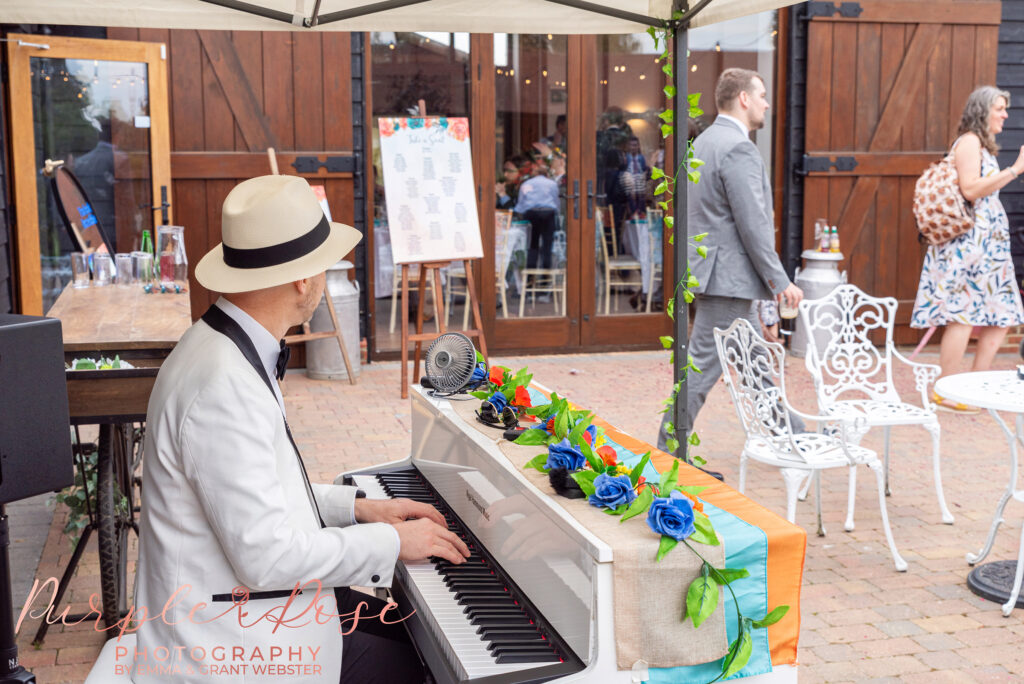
229, 515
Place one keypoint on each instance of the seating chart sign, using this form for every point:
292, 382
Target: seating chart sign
431, 198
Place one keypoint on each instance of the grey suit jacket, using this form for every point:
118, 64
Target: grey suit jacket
732, 203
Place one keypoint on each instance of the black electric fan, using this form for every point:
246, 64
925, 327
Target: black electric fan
450, 362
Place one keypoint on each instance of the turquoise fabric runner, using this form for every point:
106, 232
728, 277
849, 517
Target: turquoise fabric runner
747, 547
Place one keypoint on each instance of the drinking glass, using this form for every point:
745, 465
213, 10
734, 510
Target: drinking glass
786, 311
820, 225
142, 267
123, 264
102, 265
80, 269
170, 249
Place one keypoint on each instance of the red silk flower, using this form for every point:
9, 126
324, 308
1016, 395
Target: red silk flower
607, 455
522, 398
497, 375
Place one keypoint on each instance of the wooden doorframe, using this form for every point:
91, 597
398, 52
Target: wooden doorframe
24, 173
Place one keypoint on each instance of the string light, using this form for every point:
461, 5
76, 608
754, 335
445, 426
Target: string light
544, 73
643, 76
391, 46
527, 81
718, 46
693, 68
549, 36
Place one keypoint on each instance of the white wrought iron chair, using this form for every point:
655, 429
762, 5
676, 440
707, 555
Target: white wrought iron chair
853, 377
753, 370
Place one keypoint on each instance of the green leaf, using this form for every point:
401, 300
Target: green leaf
669, 90
669, 222
666, 116
666, 130
669, 479
701, 598
638, 469
480, 395
585, 479
696, 164
667, 68
666, 341
671, 444
657, 173
704, 531
479, 356
618, 510
693, 99
666, 545
692, 490
693, 176
640, 504
702, 251
596, 464
532, 438
537, 463
693, 439
699, 238
699, 460
663, 205
739, 652
726, 575
771, 618
562, 424
662, 188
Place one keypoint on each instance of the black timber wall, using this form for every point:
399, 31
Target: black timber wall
793, 143
1010, 77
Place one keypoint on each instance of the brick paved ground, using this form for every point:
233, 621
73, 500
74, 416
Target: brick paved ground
861, 620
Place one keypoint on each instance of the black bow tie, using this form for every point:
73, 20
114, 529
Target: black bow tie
282, 360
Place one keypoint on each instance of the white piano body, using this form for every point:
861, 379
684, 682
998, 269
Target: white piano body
563, 570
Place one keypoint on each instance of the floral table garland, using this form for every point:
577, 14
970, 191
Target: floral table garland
579, 464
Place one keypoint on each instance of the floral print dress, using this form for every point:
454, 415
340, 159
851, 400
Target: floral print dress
970, 279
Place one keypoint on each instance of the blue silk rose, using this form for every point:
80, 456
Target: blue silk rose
564, 455
672, 516
479, 374
612, 492
498, 401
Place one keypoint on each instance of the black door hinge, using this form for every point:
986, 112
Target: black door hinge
825, 164
339, 164
819, 8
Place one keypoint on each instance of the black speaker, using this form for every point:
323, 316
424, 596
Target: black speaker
35, 440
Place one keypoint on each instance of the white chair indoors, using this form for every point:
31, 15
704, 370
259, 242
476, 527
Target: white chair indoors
854, 377
753, 370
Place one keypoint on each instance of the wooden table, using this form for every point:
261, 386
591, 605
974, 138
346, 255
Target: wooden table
142, 329
120, 318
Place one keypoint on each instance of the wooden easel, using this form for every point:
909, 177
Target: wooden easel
307, 335
419, 337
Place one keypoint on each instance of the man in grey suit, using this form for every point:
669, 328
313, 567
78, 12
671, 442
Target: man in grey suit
732, 203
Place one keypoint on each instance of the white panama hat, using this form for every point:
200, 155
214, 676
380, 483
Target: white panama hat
274, 231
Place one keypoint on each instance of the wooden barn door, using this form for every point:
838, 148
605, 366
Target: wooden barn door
887, 81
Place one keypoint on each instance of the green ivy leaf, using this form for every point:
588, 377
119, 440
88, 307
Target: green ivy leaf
669, 222
666, 341
662, 188
739, 652
640, 504
669, 479
704, 531
693, 99
702, 251
701, 597
671, 444
667, 68
771, 618
694, 438
532, 438
666, 545
638, 469
669, 90
585, 479
657, 173
698, 460
696, 164
693, 176
480, 395
666, 130
699, 238
727, 575
667, 116
537, 463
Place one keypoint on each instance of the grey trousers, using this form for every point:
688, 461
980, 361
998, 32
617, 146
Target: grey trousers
712, 312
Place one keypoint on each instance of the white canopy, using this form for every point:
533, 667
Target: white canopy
472, 16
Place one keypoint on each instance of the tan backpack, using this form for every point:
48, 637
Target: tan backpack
940, 209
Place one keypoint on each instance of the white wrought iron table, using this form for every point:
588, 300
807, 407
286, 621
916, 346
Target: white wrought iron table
995, 391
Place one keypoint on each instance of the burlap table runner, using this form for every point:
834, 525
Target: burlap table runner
650, 596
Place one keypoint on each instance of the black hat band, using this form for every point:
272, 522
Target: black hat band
275, 255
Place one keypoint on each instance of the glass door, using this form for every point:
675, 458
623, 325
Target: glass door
623, 267
100, 107
534, 297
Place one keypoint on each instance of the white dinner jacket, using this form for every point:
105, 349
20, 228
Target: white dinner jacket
224, 505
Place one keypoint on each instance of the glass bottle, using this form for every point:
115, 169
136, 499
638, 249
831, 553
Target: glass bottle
171, 252
834, 241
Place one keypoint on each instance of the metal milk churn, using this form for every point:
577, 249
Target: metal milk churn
323, 357
819, 276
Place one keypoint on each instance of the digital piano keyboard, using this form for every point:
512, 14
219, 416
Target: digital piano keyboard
534, 602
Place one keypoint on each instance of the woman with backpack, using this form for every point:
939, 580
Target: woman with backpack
969, 280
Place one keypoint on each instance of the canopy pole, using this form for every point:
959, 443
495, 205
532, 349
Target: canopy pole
252, 9
372, 8
681, 107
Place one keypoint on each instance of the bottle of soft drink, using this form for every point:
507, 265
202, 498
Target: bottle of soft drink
833, 245
147, 243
